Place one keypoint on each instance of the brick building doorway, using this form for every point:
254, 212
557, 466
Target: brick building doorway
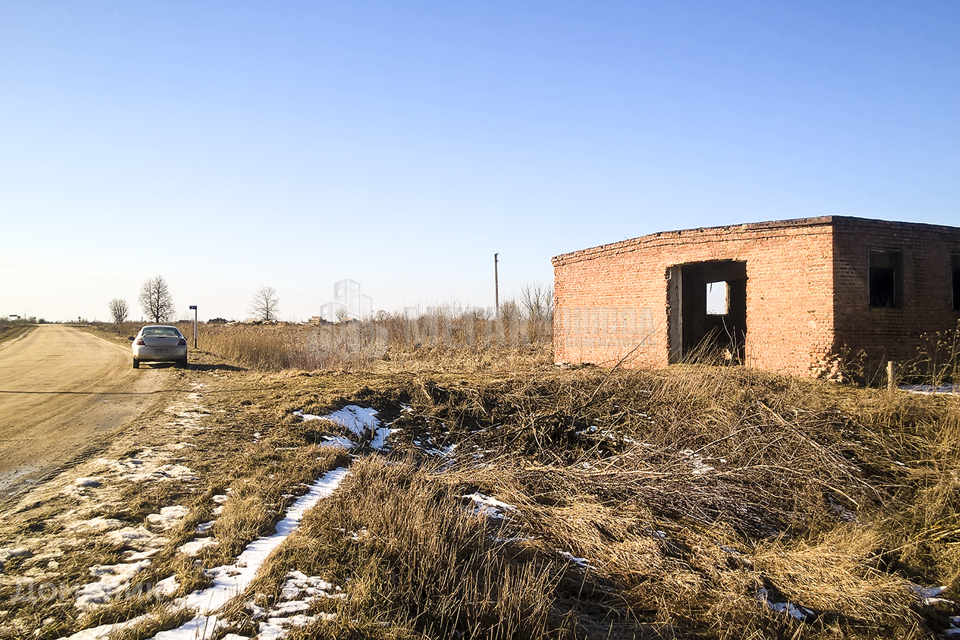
707, 314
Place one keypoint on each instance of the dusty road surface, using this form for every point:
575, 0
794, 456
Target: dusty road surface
61, 391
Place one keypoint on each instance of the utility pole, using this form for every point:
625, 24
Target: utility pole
496, 285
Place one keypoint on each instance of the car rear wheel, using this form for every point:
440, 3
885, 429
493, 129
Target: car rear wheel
136, 363
182, 363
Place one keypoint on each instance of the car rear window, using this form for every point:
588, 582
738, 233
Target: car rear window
161, 331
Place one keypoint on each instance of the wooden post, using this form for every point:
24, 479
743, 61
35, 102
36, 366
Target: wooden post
891, 376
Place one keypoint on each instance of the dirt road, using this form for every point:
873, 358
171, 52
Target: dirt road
61, 390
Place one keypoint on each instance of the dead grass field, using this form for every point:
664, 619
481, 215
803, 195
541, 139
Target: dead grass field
12, 330
515, 499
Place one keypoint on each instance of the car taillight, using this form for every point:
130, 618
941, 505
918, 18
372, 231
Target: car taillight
182, 343
139, 341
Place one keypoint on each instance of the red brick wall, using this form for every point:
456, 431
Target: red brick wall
789, 293
807, 292
927, 300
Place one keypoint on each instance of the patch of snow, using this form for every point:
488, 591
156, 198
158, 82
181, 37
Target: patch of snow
489, 507
136, 538
256, 612
446, 452
197, 545
797, 612
87, 482
290, 611
221, 500
340, 442
581, 562
168, 586
359, 420
230, 580
380, 438
276, 628
929, 389
929, 595
120, 466
168, 517
103, 632
166, 472
699, 466
6, 554
114, 579
355, 536
204, 527
299, 583
97, 524
953, 631
289, 608
134, 556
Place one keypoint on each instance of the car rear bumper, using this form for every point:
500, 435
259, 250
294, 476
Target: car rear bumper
159, 354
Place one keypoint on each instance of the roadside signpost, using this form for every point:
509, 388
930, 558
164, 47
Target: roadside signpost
194, 307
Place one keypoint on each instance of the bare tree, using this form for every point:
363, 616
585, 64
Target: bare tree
119, 310
155, 299
265, 305
537, 301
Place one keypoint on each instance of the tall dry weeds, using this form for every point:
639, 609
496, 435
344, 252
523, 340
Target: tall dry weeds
441, 340
413, 560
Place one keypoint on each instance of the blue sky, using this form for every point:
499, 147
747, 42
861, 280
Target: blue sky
233, 145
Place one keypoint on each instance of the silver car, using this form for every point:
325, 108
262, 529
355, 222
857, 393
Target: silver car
159, 343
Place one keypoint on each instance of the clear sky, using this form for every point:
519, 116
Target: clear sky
229, 146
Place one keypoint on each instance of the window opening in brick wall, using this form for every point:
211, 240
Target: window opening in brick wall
886, 278
955, 259
718, 298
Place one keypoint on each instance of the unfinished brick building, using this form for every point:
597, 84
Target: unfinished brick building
787, 296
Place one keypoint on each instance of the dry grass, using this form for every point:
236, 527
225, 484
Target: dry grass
10, 330
804, 499
653, 475
438, 341
688, 492
416, 564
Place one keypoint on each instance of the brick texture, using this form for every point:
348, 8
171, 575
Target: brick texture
807, 292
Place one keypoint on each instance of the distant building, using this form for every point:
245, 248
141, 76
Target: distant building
786, 296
